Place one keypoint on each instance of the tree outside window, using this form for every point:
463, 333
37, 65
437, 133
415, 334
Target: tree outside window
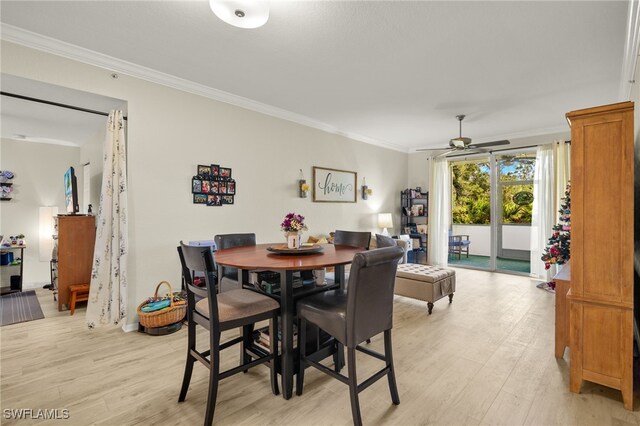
471, 190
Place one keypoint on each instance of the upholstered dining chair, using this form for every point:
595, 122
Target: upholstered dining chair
220, 312
228, 277
352, 238
352, 317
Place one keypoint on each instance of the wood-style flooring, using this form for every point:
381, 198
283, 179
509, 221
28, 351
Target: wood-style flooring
485, 359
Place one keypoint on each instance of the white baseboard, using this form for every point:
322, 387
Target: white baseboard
130, 327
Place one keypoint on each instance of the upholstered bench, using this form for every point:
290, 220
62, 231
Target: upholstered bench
424, 282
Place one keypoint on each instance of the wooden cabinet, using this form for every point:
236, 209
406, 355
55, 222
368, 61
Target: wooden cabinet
563, 285
601, 298
76, 238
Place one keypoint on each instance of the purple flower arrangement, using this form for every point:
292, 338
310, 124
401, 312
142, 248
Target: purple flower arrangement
293, 222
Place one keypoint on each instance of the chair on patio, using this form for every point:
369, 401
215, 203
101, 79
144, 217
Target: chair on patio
458, 244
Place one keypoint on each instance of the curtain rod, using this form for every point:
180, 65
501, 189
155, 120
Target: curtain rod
499, 150
43, 101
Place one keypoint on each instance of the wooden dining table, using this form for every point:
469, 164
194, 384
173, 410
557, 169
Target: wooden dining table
259, 257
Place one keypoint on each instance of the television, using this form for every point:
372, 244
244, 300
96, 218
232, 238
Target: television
71, 191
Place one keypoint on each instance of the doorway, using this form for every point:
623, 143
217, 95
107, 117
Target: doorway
492, 200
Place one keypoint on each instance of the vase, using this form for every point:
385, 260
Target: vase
293, 240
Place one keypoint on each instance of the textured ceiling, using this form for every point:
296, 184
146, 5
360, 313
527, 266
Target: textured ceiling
393, 72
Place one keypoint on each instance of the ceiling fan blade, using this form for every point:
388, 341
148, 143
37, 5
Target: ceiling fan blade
433, 149
444, 154
494, 143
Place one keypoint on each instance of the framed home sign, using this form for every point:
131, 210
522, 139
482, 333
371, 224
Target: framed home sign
334, 186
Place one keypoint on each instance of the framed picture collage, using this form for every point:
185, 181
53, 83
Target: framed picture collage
213, 186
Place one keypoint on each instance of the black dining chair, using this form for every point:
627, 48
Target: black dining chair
228, 277
352, 238
352, 317
220, 312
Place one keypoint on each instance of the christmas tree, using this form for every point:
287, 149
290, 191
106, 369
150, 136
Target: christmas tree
558, 249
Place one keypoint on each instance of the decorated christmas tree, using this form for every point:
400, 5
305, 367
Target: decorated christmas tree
558, 249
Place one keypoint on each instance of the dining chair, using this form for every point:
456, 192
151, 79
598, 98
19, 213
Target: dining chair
219, 312
352, 317
352, 238
228, 277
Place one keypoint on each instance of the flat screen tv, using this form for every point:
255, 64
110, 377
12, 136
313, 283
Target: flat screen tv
71, 191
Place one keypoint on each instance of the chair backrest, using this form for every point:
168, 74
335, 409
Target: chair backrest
370, 295
226, 241
352, 238
198, 261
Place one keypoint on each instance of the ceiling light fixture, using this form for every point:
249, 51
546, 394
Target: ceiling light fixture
241, 13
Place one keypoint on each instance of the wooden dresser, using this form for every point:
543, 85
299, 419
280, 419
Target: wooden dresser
76, 238
601, 297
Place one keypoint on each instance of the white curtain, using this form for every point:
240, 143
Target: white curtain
562, 155
439, 211
108, 293
543, 215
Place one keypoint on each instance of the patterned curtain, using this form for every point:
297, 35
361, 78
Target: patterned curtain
108, 293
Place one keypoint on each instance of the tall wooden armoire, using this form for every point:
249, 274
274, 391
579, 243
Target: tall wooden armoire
601, 295
76, 238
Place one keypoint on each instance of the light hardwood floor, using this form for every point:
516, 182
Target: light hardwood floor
485, 359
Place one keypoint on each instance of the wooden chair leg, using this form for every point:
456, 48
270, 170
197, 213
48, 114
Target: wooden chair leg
353, 387
391, 375
302, 348
188, 368
247, 335
214, 372
72, 302
273, 346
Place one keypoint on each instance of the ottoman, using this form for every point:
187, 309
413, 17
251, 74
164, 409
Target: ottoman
424, 282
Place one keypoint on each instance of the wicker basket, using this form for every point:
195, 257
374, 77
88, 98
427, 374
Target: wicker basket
169, 315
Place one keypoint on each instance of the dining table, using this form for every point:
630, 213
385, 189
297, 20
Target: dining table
269, 257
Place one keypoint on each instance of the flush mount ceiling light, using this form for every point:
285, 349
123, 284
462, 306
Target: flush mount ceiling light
241, 13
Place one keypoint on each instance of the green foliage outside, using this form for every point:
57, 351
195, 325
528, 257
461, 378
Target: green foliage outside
471, 183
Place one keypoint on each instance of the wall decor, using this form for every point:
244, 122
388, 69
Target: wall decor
213, 186
303, 186
334, 186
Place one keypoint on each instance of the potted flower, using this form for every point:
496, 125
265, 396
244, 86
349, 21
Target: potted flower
292, 225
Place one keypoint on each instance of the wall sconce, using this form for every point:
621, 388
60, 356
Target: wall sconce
45, 234
366, 191
303, 186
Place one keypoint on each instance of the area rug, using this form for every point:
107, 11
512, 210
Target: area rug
19, 307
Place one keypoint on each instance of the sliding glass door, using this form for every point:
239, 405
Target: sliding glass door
492, 196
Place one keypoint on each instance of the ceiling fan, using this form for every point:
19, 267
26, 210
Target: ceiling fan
464, 144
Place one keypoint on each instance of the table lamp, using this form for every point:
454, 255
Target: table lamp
385, 221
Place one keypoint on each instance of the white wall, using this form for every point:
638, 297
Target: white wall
516, 237
91, 152
39, 170
170, 132
419, 171
480, 236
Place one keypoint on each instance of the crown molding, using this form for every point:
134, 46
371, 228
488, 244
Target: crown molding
53, 46
631, 45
